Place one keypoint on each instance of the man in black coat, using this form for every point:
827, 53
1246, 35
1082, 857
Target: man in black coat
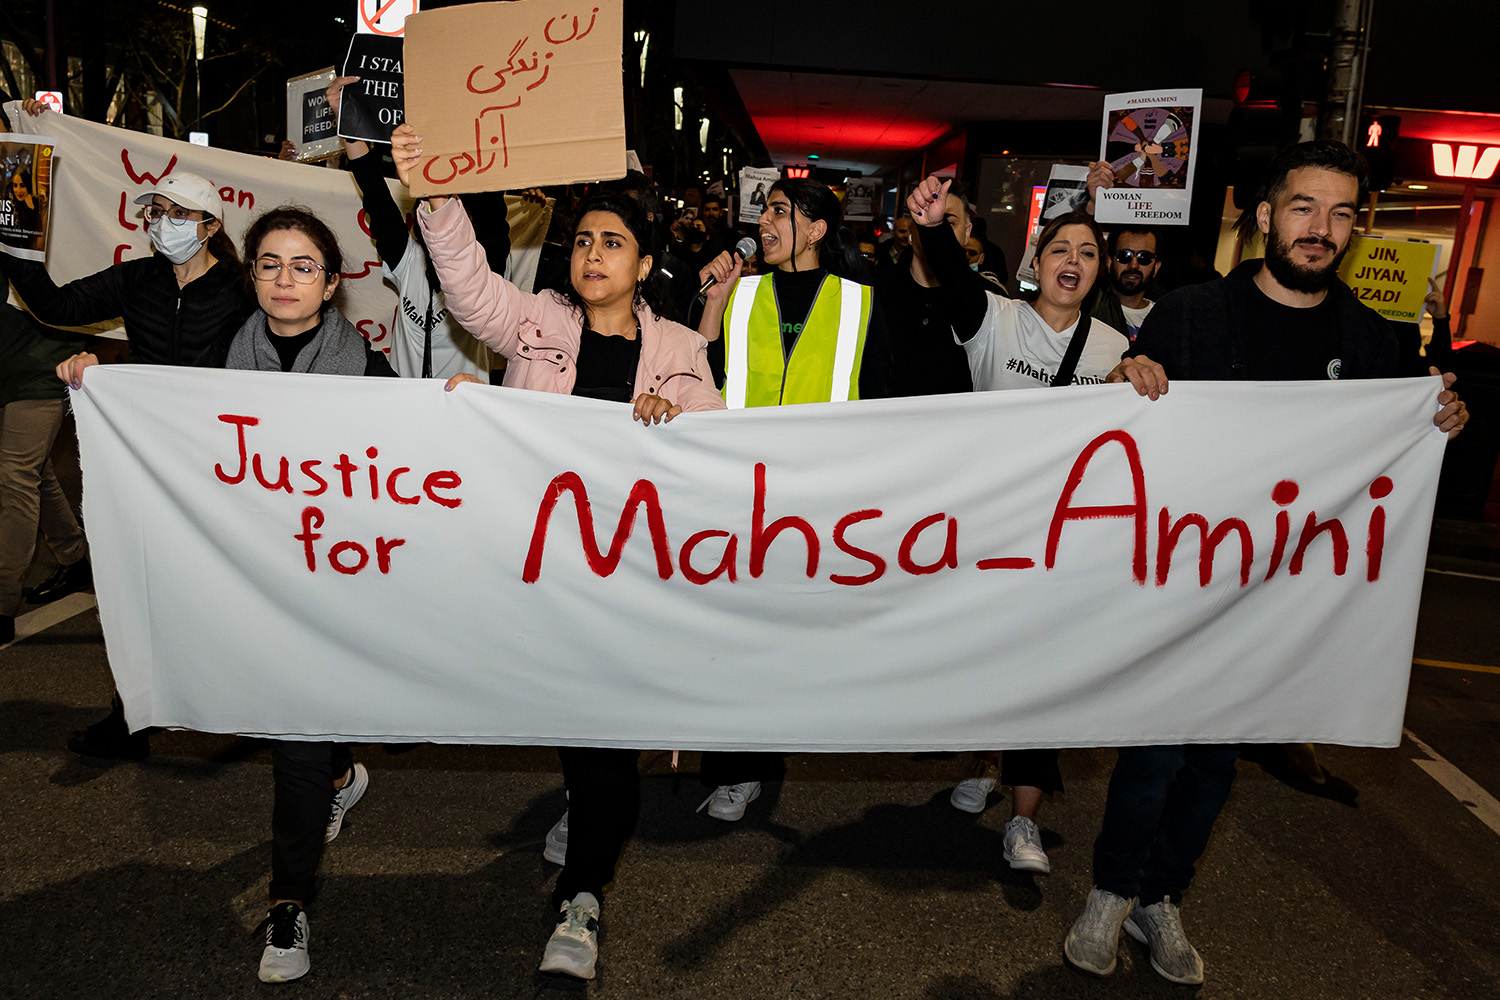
1288, 317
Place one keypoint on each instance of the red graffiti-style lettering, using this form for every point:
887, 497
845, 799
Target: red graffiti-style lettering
1283, 494
949, 558
877, 564
124, 223
1008, 562
143, 177
121, 250
1208, 544
761, 536
726, 561
1065, 512
643, 493
1311, 529
1375, 540
240, 423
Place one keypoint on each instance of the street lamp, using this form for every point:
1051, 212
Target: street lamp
200, 27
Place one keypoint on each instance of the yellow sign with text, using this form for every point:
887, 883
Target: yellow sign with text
1389, 276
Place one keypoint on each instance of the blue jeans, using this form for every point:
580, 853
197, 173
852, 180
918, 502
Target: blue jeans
1162, 805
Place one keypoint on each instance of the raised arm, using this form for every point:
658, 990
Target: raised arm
962, 299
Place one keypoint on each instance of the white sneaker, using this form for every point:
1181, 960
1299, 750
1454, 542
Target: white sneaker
556, 848
728, 802
573, 948
344, 799
285, 955
1023, 846
973, 793
1159, 927
1093, 942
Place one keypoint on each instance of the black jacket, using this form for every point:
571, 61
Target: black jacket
1198, 333
165, 325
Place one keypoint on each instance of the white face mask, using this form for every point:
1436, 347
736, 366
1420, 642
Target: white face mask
176, 243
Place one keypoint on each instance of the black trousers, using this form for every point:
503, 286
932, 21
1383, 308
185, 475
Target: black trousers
304, 774
1032, 768
604, 801
735, 767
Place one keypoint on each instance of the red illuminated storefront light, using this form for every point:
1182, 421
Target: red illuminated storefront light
1467, 163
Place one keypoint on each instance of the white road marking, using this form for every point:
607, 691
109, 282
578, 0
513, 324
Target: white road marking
1462, 787
49, 615
1467, 576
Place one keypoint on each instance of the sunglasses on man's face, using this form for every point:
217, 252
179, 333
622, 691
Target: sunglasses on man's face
1145, 257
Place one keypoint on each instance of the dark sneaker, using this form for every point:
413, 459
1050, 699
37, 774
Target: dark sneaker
1093, 943
110, 738
573, 948
285, 955
64, 580
1159, 927
344, 800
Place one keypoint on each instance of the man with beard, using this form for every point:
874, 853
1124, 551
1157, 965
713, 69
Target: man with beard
1286, 318
1132, 268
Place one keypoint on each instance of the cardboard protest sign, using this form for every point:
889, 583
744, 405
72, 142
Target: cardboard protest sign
372, 108
25, 194
309, 120
860, 194
1389, 276
755, 184
1067, 191
512, 95
1149, 141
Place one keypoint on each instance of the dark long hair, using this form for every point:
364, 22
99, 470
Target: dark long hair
838, 250
652, 292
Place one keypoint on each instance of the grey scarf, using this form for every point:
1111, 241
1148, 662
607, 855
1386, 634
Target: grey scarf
338, 348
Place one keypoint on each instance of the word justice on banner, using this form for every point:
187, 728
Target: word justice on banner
1230, 563
549, 111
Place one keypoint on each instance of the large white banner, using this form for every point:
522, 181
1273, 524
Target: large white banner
98, 171
376, 559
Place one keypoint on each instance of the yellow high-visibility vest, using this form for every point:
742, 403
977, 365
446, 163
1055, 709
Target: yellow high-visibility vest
825, 360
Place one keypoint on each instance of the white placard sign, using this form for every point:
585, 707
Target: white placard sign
1150, 141
378, 559
755, 185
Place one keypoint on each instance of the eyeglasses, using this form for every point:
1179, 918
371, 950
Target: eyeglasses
176, 215
1145, 257
304, 272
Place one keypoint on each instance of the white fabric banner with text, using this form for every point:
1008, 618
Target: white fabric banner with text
313, 556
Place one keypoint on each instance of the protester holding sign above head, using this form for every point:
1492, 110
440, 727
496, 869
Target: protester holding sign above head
806, 333
179, 306
429, 343
1019, 345
1287, 317
603, 338
295, 266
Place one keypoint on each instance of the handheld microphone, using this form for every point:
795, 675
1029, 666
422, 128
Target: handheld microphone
745, 247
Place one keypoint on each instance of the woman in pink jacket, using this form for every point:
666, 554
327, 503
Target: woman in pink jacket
604, 338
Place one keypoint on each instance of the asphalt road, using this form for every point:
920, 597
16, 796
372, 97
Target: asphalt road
853, 879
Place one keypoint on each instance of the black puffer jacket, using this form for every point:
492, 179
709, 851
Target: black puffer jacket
165, 325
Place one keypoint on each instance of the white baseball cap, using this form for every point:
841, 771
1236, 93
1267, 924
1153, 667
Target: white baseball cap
188, 190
